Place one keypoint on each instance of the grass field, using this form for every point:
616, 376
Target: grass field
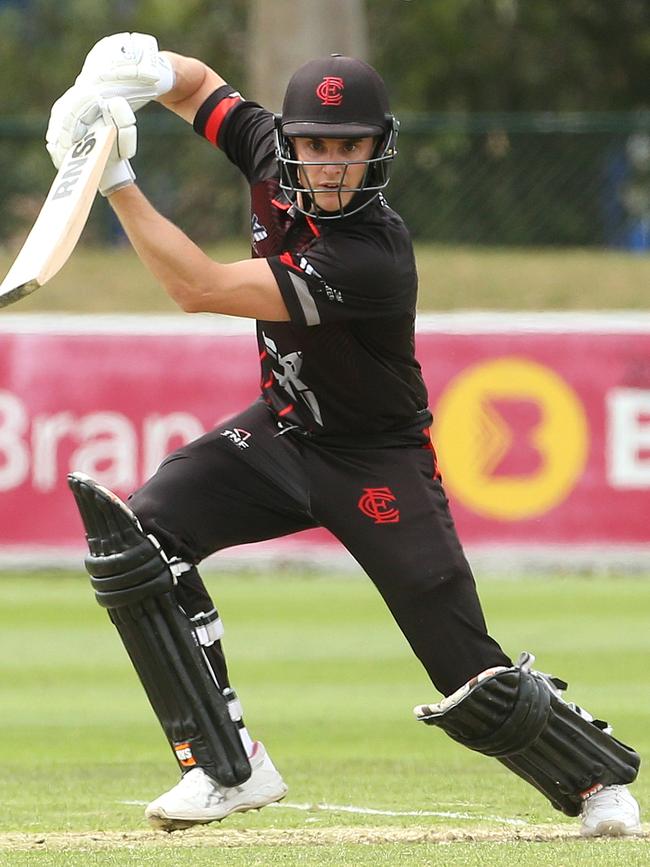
328, 685
101, 281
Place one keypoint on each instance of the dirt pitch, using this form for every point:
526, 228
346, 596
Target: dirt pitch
215, 837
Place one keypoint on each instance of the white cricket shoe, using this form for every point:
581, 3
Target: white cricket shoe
199, 799
612, 812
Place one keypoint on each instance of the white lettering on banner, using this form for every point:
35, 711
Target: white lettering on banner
105, 445
164, 432
628, 438
14, 455
47, 433
107, 452
110, 454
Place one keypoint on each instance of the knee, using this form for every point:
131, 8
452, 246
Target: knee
145, 505
154, 511
438, 579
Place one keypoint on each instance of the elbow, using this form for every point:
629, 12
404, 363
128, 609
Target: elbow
186, 297
189, 305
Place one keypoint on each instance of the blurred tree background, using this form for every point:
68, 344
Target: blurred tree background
447, 55
523, 123
514, 55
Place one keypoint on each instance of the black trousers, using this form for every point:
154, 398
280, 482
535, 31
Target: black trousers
246, 482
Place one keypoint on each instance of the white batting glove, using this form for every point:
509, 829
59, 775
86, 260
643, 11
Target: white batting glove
128, 65
72, 117
118, 172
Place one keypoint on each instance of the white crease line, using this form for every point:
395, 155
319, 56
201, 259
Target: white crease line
370, 811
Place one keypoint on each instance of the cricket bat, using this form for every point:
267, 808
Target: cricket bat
62, 218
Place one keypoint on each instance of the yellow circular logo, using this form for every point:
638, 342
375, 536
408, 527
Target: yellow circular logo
512, 438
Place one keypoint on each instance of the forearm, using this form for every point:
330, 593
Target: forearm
194, 82
174, 260
191, 278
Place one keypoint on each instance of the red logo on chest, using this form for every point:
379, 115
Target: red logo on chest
330, 90
377, 503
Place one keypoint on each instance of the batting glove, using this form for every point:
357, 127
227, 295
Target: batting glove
118, 172
128, 65
72, 117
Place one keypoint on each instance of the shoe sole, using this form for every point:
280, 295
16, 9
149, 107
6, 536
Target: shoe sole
162, 822
611, 828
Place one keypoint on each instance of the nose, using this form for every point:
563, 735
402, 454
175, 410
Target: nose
333, 170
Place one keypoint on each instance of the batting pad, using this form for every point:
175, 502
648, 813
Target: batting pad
132, 580
517, 715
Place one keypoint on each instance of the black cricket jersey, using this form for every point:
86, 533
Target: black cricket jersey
343, 370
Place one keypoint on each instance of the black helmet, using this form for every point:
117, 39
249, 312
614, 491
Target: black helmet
336, 97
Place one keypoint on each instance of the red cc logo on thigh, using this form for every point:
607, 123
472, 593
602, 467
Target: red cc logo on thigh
377, 503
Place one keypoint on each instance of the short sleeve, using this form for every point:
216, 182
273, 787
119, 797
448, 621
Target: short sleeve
243, 130
346, 277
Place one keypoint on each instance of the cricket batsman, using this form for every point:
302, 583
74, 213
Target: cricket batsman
338, 438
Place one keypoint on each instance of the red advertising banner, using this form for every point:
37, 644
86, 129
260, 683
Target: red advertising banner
542, 423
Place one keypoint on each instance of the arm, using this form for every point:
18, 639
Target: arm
194, 81
191, 278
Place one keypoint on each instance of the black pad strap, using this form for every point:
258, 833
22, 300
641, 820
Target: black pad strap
132, 579
517, 715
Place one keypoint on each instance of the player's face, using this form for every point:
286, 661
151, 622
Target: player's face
332, 180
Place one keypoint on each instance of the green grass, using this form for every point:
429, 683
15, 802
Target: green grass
605, 854
102, 281
328, 684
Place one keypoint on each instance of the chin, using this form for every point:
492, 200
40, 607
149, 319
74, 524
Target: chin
332, 204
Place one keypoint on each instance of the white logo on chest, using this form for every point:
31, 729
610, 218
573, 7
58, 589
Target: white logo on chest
289, 378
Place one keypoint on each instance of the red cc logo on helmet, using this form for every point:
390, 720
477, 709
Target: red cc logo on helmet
330, 90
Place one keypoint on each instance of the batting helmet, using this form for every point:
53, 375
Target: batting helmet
336, 97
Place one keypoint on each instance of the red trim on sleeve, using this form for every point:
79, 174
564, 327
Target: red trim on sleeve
219, 112
288, 260
286, 410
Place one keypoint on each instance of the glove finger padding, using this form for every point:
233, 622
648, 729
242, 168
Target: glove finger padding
118, 112
118, 172
72, 116
128, 65
129, 57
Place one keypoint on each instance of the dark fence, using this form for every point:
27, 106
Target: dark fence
522, 179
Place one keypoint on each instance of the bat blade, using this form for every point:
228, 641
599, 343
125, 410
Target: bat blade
62, 218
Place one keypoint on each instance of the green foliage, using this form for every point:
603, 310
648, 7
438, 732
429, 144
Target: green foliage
42, 49
513, 55
470, 55
488, 184
44, 43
